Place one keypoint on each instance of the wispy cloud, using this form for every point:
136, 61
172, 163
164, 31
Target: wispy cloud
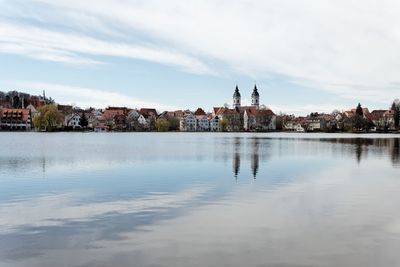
78, 49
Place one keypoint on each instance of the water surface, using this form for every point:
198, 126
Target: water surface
210, 199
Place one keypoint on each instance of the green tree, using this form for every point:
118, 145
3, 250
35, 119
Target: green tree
224, 124
83, 122
359, 110
162, 125
360, 123
48, 118
396, 115
173, 124
279, 123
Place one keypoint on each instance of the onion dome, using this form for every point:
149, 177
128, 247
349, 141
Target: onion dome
236, 93
255, 92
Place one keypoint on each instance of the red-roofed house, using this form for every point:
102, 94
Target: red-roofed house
15, 119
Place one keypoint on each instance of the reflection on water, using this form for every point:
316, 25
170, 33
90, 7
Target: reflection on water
199, 200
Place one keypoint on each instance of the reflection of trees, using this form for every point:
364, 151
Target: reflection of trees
255, 160
396, 152
388, 146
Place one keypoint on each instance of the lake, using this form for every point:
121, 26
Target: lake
199, 199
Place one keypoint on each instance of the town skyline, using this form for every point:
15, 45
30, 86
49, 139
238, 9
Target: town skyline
21, 111
304, 56
245, 101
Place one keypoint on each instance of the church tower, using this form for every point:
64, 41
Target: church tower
255, 98
236, 98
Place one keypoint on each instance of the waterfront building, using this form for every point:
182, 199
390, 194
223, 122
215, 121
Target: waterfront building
247, 118
15, 119
188, 123
259, 120
215, 125
203, 123
73, 121
148, 118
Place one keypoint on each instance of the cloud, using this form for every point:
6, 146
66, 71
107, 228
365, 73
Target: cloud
78, 49
87, 97
345, 47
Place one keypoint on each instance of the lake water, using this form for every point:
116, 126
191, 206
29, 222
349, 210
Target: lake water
183, 199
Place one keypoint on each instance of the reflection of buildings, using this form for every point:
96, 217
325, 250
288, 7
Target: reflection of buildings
254, 157
236, 157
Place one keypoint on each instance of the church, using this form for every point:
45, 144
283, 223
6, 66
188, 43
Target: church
247, 118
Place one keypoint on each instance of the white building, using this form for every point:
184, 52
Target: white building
215, 124
73, 121
188, 123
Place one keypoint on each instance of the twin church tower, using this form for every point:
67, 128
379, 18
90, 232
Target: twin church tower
255, 98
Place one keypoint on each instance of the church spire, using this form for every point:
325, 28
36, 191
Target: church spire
236, 98
255, 97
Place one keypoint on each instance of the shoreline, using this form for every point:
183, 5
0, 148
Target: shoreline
208, 132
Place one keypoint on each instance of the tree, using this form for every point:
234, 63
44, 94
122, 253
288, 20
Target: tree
279, 123
173, 124
224, 124
360, 123
162, 125
359, 110
48, 118
396, 115
83, 122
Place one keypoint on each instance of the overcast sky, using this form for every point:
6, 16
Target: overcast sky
304, 55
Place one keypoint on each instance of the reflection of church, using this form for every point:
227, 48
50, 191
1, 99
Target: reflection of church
254, 157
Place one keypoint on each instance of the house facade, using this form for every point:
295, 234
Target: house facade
15, 119
188, 123
73, 121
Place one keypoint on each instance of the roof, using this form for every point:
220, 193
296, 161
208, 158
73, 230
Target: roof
65, 108
148, 112
377, 114
199, 112
226, 111
111, 112
389, 113
259, 112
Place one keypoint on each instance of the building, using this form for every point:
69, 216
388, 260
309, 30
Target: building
203, 123
236, 98
378, 119
73, 121
249, 118
148, 117
255, 119
15, 119
188, 123
255, 98
315, 122
215, 125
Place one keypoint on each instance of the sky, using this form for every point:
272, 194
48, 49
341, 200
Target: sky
304, 55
